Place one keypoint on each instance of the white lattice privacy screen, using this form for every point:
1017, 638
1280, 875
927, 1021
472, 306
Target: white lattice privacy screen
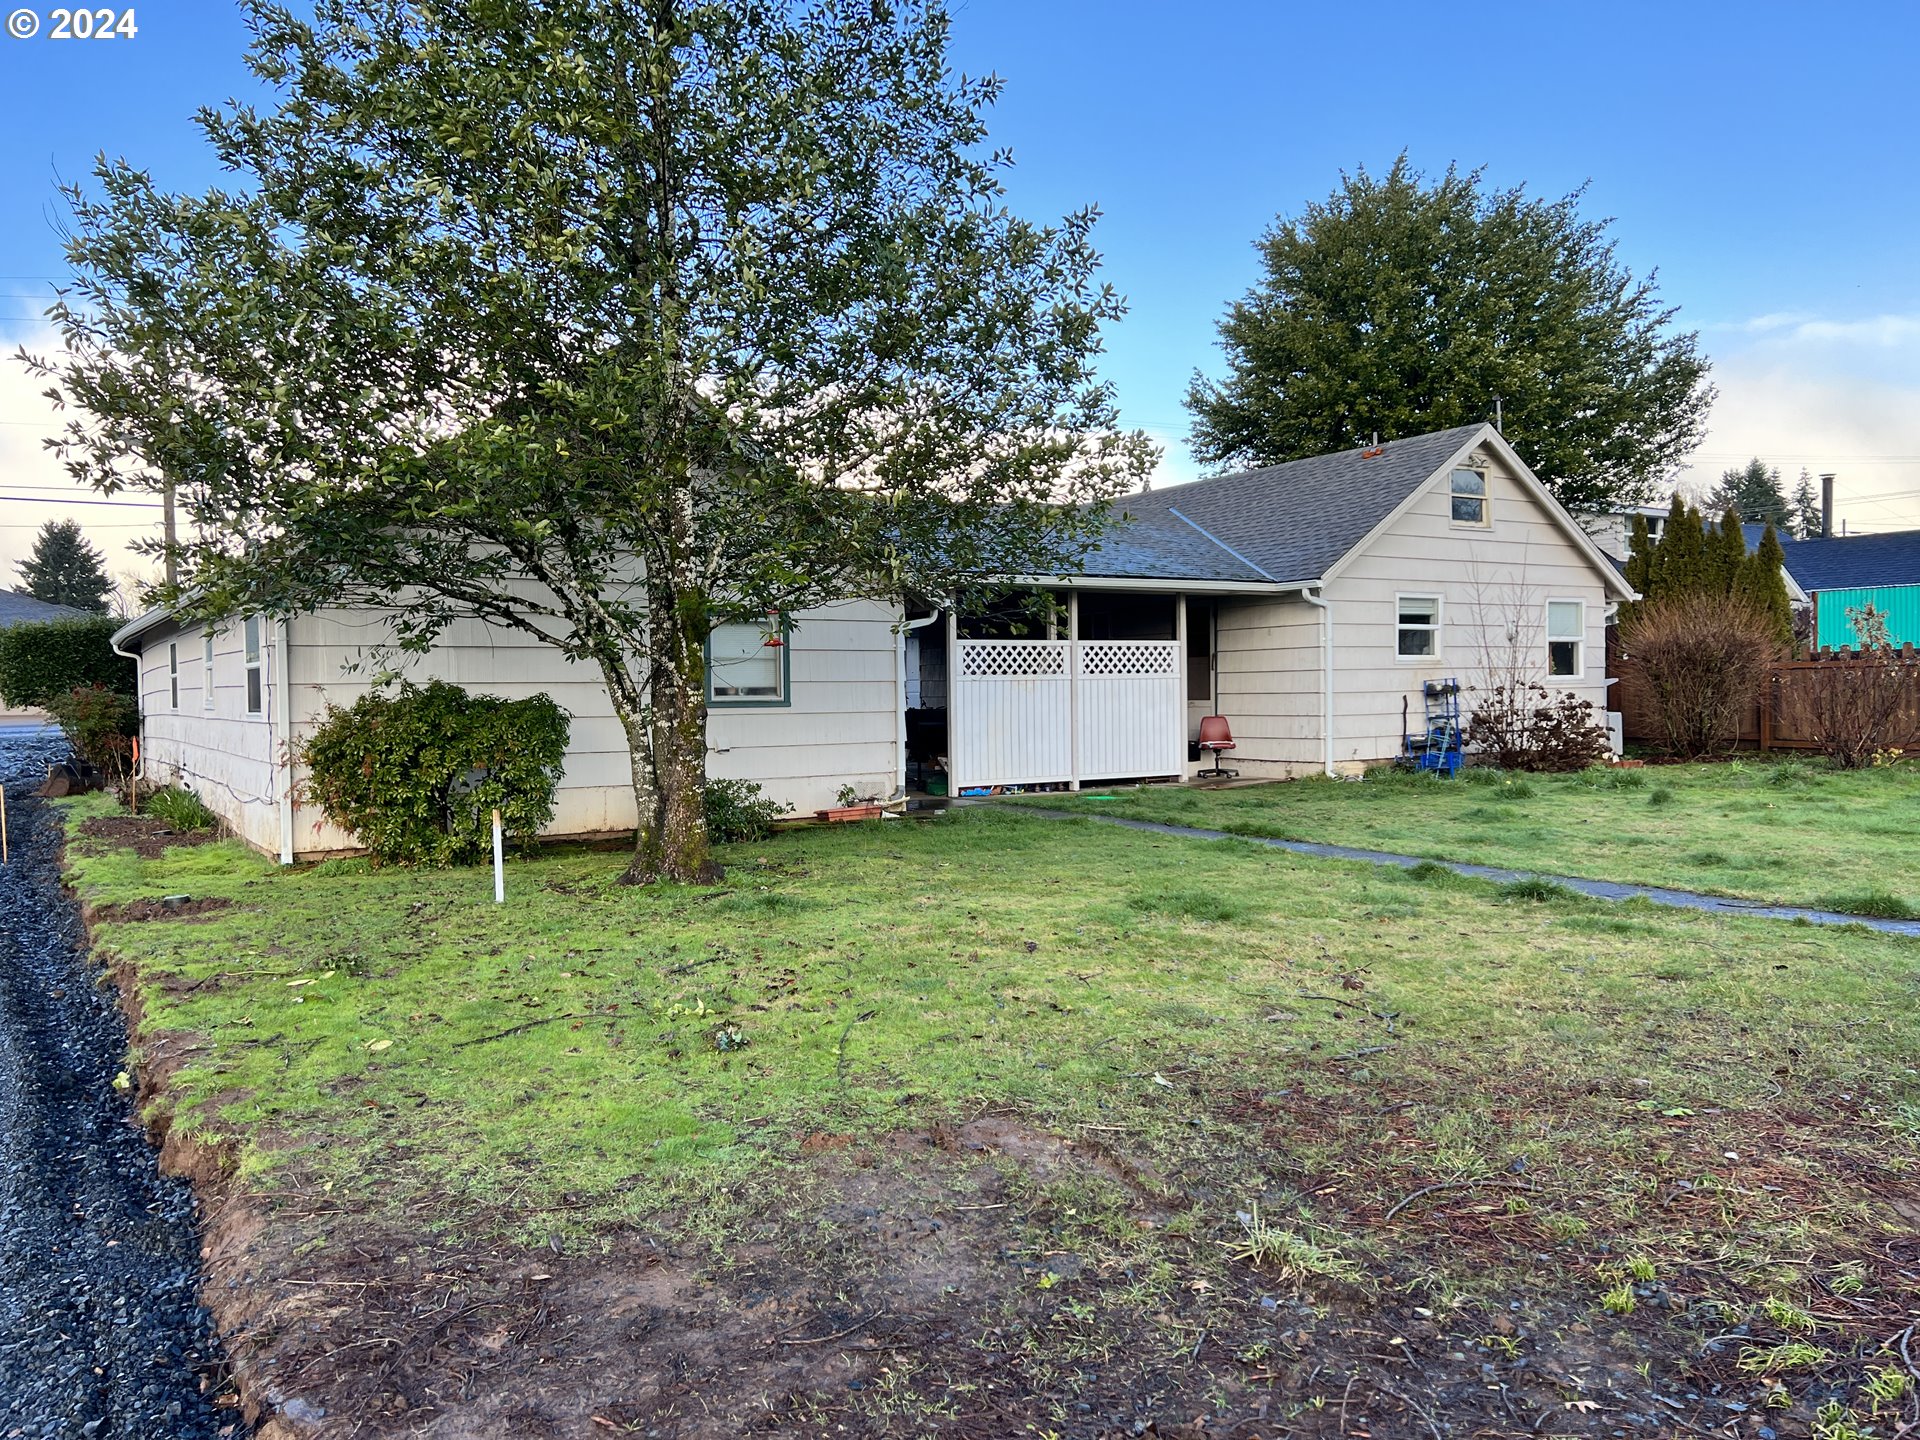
1129, 657
981, 659
1032, 712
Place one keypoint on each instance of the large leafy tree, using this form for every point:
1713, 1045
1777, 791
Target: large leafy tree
1396, 307
64, 569
610, 320
1752, 491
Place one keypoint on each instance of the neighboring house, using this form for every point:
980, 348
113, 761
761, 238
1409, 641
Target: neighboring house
1845, 572
1612, 530
1305, 602
19, 608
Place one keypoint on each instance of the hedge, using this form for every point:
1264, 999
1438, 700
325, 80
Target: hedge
44, 661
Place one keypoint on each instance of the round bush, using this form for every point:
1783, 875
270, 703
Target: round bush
416, 773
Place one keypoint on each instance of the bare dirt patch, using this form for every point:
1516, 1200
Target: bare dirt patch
146, 837
176, 907
980, 1280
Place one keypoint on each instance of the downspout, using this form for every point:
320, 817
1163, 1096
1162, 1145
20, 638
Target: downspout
1319, 601
283, 718
135, 656
900, 695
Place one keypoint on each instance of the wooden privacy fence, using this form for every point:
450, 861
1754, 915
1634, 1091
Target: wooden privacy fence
1784, 717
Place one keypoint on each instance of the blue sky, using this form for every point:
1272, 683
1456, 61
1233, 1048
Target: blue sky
1761, 156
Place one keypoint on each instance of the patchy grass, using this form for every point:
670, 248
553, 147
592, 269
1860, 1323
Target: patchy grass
1260, 1075
1777, 830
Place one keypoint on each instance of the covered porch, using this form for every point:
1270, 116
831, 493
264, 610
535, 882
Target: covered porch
1098, 682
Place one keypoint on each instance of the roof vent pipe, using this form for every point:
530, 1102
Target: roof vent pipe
1826, 507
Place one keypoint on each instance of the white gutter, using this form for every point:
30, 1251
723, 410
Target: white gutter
900, 694
1319, 601
1155, 586
135, 656
283, 704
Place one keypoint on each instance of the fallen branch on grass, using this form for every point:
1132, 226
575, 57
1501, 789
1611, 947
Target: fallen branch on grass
1455, 1185
516, 1030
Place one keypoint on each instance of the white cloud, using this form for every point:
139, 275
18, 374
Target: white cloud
35, 486
1824, 395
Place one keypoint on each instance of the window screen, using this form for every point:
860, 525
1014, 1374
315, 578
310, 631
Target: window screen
256, 691
1566, 637
746, 664
1418, 631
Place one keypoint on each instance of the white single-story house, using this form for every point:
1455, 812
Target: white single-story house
1307, 603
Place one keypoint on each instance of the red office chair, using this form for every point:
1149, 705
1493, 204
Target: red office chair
1216, 735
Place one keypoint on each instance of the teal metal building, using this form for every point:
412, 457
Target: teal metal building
1833, 629
1845, 572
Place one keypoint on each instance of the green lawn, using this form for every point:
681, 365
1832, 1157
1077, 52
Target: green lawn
1319, 1040
1788, 831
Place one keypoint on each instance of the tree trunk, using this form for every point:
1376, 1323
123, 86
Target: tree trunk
631, 708
678, 690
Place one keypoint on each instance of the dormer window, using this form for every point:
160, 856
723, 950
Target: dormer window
1469, 497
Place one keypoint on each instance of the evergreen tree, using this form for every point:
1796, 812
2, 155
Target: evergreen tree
1762, 579
65, 570
1806, 508
1753, 492
1639, 553
1726, 555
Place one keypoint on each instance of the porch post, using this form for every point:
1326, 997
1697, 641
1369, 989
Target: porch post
953, 701
1073, 689
1180, 665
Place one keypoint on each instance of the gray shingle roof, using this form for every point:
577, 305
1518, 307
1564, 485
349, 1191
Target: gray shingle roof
18, 608
1293, 521
1847, 562
1152, 545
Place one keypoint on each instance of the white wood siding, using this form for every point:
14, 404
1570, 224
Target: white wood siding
225, 755
1267, 675
1492, 581
840, 726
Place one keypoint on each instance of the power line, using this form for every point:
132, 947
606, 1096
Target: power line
57, 500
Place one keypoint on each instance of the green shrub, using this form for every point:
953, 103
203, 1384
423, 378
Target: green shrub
40, 663
180, 808
393, 768
100, 725
738, 811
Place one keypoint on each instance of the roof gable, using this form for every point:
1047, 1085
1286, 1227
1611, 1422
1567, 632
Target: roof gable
1297, 523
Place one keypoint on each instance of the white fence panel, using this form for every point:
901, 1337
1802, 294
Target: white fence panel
1011, 713
1131, 713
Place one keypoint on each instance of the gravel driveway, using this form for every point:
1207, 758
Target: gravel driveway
101, 1333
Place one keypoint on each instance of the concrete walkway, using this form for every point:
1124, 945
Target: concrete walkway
1598, 889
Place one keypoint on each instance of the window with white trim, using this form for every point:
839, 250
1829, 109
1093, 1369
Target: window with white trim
206, 668
256, 690
173, 674
1417, 626
747, 665
1469, 497
1567, 639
